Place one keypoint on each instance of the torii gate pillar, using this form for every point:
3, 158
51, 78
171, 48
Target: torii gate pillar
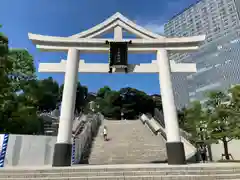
63, 147
174, 146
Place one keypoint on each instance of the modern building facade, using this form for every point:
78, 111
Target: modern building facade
217, 60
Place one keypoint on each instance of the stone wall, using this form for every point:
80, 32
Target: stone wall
84, 140
25, 150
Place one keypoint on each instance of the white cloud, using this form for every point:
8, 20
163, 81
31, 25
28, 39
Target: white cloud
157, 24
154, 27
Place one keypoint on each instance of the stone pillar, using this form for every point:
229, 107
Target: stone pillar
175, 148
63, 147
118, 34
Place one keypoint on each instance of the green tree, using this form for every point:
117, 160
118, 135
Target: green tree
193, 120
91, 97
81, 97
47, 95
111, 105
23, 120
103, 91
223, 123
43, 94
16, 114
130, 101
158, 101
135, 102
23, 68
5, 68
6, 94
20, 117
104, 103
235, 97
182, 117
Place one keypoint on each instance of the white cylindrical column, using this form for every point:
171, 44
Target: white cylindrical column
169, 108
175, 149
63, 147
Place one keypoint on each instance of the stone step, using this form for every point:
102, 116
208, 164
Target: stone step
124, 161
130, 141
235, 167
117, 173
110, 170
113, 172
120, 156
141, 177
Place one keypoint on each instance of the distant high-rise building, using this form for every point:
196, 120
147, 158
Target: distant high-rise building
218, 58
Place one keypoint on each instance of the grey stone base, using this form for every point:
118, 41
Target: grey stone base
175, 153
62, 155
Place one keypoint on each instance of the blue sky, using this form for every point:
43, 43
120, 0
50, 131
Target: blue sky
68, 17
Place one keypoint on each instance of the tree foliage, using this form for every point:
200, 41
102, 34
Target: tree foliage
218, 120
158, 101
192, 119
22, 70
43, 94
102, 92
16, 69
5, 68
81, 97
129, 101
223, 119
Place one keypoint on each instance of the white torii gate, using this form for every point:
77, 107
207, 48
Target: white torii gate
88, 41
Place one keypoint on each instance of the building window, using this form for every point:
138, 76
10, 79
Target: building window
192, 99
217, 29
219, 47
228, 61
209, 39
234, 18
208, 87
192, 93
204, 10
223, 12
225, 24
235, 41
230, 10
203, 101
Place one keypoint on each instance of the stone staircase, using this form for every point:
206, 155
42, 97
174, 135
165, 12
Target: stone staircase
125, 172
130, 142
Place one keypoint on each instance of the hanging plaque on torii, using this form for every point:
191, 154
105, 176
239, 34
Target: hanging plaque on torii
118, 55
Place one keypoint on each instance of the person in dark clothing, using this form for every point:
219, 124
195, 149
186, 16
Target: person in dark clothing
203, 153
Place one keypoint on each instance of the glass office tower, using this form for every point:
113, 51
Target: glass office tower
217, 59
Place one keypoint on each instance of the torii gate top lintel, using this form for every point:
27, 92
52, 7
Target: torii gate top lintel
89, 41
118, 20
